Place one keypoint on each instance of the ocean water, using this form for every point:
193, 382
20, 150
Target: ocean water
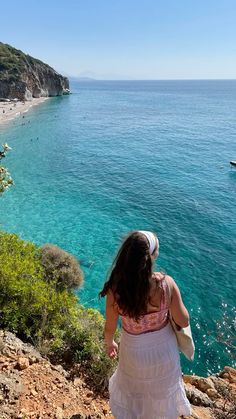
118, 156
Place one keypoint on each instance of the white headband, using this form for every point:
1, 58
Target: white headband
152, 239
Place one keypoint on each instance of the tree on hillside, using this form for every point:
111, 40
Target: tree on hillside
5, 177
61, 268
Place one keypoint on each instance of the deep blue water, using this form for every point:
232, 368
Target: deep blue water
118, 156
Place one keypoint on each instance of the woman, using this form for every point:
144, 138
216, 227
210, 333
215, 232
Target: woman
148, 381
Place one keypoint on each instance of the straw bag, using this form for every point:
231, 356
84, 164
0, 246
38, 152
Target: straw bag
184, 339
183, 336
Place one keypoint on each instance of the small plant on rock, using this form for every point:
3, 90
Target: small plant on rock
5, 178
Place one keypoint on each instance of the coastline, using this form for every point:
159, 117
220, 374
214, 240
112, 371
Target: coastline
11, 110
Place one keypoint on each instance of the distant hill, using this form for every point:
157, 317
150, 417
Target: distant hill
73, 78
24, 77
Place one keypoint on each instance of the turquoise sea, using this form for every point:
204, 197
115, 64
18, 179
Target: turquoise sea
118, 156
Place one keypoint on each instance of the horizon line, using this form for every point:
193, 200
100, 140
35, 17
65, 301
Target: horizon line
95, 79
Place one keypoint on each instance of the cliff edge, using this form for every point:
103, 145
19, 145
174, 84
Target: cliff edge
24, 77
33, 388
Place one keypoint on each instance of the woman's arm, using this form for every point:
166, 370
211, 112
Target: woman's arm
112, 316
178, 310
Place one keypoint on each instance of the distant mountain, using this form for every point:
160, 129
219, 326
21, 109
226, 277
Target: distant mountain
82, 79
24, 77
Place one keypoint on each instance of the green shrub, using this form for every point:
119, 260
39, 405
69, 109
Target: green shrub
84, 344
48, 315
61, 268
30, 306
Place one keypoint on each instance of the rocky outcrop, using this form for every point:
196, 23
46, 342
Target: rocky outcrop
25, 77
31, 387
213, 397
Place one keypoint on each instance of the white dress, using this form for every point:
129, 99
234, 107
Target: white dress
148, 381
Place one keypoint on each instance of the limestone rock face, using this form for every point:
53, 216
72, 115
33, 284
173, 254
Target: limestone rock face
25, 77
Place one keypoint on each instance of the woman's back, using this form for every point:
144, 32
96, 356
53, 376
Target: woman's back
157, 308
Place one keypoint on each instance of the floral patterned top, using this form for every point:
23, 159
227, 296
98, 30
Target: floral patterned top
151, 321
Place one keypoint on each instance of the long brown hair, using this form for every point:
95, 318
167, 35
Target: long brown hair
130, 276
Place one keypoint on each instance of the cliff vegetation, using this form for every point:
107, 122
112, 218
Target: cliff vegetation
5, 177
37, 303
25, 77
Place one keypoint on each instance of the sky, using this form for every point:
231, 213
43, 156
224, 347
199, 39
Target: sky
126, 39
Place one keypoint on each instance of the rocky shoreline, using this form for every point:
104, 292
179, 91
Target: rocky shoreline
32, 387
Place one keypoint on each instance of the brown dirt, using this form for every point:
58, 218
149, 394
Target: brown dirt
31, 387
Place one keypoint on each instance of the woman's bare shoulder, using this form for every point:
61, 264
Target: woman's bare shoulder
158, 275
162, 275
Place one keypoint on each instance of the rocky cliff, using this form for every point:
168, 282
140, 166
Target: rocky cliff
33, 388
25, 77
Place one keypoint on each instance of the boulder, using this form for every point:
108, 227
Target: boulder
22, 363
196, 397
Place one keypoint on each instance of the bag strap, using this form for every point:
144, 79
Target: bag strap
168, 292
175, 325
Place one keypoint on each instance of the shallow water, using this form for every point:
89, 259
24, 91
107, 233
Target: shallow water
118, 156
